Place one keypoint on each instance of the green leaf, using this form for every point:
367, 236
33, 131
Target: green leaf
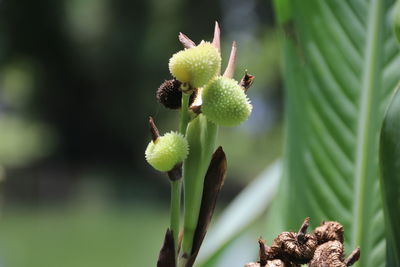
201, 135
341, 63
390, 179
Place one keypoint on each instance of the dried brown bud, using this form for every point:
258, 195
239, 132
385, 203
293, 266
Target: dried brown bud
322, 248
170, 95
247, 81
288, 248
329, 231
328, 254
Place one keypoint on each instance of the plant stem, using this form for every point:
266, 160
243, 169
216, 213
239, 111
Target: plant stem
175, 211
201, 136
184, 118
176, 186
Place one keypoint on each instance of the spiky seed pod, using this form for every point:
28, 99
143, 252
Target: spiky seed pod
396, 21
196, 65
329, 231
286, 247
225, 103
328, 254
167, 151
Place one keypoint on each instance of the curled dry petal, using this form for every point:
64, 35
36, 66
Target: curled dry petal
153, 130
230, 69
185, 41
217, 37
247, 81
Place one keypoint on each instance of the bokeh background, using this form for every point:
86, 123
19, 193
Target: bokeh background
77, 84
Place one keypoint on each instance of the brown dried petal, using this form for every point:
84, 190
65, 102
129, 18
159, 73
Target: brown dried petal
287, 248
328, 254
166, 257
329, 231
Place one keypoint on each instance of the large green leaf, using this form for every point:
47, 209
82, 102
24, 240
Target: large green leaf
341, 63
390, 179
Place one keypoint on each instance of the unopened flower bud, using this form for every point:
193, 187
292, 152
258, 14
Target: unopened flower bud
225, 103
167, 151
196, 65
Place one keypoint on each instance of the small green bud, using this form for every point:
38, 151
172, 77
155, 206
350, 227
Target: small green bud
396, 21
167, 151
225, 103
196, 65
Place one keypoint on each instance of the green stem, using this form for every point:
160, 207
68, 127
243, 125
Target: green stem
201, 135
176, 186
175, 211
184, 118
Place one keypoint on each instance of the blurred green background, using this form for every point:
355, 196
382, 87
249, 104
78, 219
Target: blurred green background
77, 84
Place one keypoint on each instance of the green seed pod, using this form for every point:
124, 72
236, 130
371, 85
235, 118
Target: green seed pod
196, 65
167, 151
396, 21
225, 103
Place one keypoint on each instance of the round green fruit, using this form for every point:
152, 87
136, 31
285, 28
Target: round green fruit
167, 151
196, 65
225, 102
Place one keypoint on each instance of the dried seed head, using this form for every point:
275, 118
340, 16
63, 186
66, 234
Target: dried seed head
225, 103
167, 151
196, 65
288, 248
328, 254
170, 95
329, 231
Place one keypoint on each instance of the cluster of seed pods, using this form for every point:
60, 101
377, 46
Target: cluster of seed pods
321, 248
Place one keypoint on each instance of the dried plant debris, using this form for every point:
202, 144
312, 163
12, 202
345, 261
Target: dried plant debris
330, 254
294, 247
273, 263
321, 248
166, 257
329, 231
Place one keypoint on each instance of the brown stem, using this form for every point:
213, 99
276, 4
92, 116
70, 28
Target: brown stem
263, 254
303, 231
353, 257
